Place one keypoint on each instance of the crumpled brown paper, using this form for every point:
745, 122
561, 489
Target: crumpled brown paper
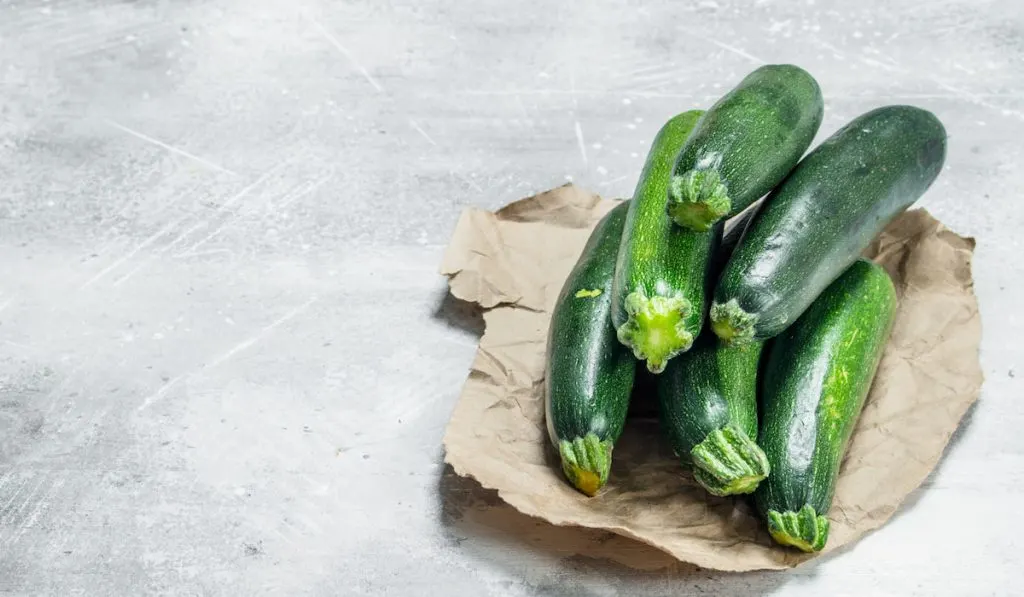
513, 263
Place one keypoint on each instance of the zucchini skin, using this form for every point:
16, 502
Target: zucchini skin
708, 406
816, 379
820, 220
708, 400
745, 144
663, 271
589, 375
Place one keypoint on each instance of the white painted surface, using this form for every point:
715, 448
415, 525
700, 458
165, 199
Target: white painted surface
226, 359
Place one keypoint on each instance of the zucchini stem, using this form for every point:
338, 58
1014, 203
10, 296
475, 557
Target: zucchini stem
804, 530
655, 328
586, 462
697, 199
732, 324
728, 462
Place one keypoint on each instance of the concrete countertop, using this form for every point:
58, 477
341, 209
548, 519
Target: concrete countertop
226, 356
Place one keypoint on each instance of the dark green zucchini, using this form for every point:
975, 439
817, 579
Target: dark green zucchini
589, 374
819, 221
708, 405
815, 381
662, 274
708, 401
745, 145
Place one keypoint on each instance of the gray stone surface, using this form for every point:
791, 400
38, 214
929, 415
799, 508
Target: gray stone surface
226, 359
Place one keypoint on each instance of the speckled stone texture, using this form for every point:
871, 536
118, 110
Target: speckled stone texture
226, 357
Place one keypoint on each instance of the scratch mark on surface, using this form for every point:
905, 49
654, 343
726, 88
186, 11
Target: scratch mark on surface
309, 189
660, 79
636, 73
976, 99
160, 393
130, 273
10, 513
237, 196
15, 495
6, 304
337, 44
131, 203
737, 51
879, 64
827, 46
291, 197
422, 132
191, 250
170, 148
132, 253
223, 207
581, 143
259, 335
38, 508
87, 49
282, 536
612, 181
184, 235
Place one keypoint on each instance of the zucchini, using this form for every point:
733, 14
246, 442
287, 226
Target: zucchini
662, 273
708, 406
816, 378
589, 375
708, 400
819, 221
745, 145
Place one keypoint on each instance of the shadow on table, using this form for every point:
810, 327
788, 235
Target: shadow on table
459, 314
482, 526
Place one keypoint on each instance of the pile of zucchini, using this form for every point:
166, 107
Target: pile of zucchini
762, 322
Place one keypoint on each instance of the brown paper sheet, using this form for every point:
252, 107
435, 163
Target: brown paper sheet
513, 263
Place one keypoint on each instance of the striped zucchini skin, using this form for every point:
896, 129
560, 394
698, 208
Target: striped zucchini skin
745, 145
589, 373
815, 224
663, 271
816, 378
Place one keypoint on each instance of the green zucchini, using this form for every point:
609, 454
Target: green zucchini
589, 374
745, 145
708, 406
820, 220
816, 378
662, 273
